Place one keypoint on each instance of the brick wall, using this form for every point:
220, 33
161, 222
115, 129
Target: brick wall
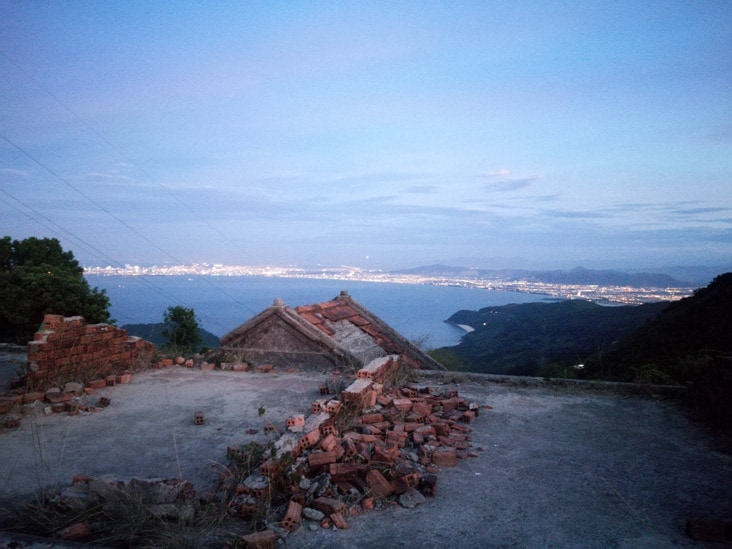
68, 349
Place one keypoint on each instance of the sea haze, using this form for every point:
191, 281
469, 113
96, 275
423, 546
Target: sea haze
221, 304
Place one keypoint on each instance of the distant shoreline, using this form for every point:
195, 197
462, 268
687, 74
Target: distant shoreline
603, 294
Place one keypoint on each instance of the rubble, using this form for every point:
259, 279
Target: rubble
365, 447
372, 444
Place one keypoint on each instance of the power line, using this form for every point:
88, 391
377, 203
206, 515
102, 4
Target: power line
90, 248
89, 198
123, 156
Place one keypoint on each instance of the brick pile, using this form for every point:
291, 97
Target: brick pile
366, 446
68, 349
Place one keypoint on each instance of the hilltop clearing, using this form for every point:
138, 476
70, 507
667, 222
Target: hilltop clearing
554, 467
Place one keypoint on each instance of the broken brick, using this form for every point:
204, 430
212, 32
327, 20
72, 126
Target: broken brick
329, 442
295, 421
328, 505
292, 518
372, 418
318, 459
339, 521
445, 456
402, 404
378, 484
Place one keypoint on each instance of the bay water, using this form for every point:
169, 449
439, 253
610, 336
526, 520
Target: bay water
222, 303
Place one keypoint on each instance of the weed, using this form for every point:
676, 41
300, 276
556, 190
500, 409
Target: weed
400, 375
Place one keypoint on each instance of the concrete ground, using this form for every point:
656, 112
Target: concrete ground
556, 467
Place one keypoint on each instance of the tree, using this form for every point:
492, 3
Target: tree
182, 329
38, 277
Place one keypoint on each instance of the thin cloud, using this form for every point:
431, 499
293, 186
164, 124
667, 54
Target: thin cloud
15, 173
422, 189
508, 185
700, 210
502, 172
108, 176
575, 214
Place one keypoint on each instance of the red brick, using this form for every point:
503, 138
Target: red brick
347, 471
328, 505
292, 518
295, 421
32, 397
124, 378
378, 484
333, 406
397, 438
310, 439
58, 397
97, 384
339, 521
318, 459
329, 442
384, 454
402, 404
369, 398
444, 457
422, 408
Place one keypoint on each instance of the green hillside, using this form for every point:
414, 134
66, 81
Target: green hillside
652, 343
541, 338
677, 346
154, 334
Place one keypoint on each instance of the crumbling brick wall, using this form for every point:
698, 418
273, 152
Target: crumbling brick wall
68, 349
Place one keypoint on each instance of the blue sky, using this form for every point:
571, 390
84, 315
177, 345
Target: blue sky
375, 134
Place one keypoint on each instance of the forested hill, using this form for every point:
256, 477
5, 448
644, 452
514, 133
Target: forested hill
652, 343
541, 338
154, 334
677, 345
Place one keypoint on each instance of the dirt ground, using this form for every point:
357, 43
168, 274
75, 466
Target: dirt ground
555, 467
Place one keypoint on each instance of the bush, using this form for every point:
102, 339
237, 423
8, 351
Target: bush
182, 330
38, 277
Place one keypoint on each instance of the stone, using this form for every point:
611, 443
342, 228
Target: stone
411, 498
313, 514
74, 387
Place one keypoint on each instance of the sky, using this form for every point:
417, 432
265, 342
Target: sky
380, 135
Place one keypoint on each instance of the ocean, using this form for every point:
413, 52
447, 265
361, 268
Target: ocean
221, 304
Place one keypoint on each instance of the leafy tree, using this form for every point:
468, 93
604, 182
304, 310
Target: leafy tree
38, 277
182, 330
